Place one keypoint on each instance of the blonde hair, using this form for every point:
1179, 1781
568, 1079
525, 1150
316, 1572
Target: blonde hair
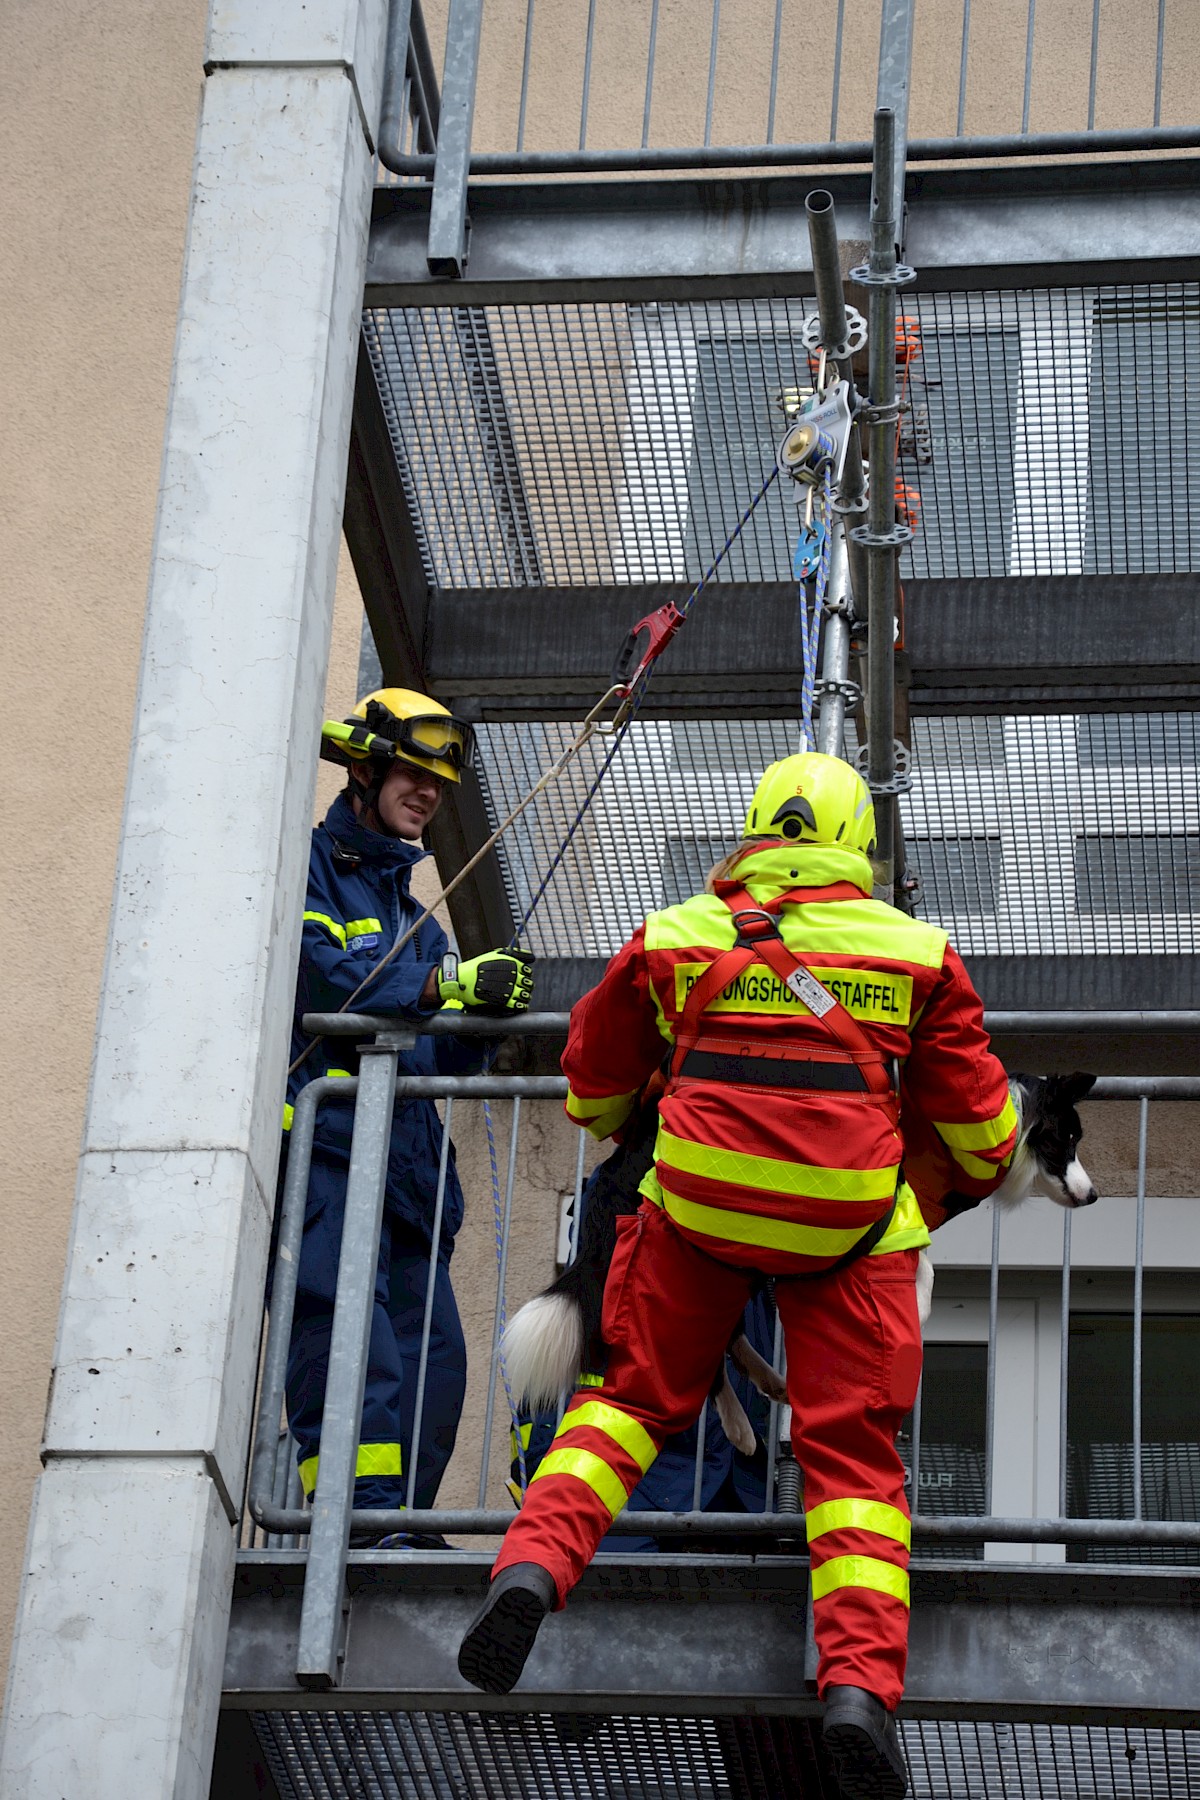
722, 870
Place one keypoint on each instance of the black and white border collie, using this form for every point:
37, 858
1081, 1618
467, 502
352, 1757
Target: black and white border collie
555, 1336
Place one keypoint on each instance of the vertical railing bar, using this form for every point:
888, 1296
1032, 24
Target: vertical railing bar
414, 1448
293, 1499
1064, 1364
1138, 1266
915, 1501
698, 1475
962, 68
1028, 68
839, 32
712, 71
577, 1218
773, 1419
317, 1657
446, 251
650, 73
1158, 61
525, 61
498, 1320
993, 1322
1091, 124
775, 71
293, 1206
279, 1483
394, 107
587, 73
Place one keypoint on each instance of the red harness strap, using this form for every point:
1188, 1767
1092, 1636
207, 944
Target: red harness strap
759, 939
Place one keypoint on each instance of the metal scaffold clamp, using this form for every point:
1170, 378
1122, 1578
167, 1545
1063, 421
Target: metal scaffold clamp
901, 780
863, 275
855, 339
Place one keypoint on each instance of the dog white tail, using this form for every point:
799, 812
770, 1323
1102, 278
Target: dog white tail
543, 1350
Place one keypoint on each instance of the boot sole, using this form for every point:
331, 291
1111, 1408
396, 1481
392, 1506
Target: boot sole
497, 1645
865, 1771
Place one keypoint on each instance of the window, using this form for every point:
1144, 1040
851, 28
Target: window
686, 863
958, 875
1143, 512
953, 1448
1100, 1427
1137, 739
1152, 874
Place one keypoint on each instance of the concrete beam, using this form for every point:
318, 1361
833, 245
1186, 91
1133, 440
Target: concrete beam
124, 1605
642, 238
712, 1635
1021, 643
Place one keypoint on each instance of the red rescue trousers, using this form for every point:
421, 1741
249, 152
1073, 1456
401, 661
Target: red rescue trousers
853, 1362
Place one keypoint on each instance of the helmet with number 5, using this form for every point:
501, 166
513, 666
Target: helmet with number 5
813, 799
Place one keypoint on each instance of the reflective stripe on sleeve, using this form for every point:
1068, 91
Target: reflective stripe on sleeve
331, 925
360, 928
289, 1113
631, 1435
860, 1515
590, 1381
775, 1175
592, 1470
860, 1572
600, 1116
984, 1134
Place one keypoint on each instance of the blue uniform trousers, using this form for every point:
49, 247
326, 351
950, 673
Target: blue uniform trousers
402, 1270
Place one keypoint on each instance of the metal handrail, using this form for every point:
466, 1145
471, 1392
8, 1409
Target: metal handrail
329, 1521
555, 1024
410, 88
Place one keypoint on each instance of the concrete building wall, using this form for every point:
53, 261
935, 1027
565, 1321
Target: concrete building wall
98, 110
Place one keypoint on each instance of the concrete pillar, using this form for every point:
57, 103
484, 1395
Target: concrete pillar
116, 1670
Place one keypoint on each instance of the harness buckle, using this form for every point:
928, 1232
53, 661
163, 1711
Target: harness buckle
753, 925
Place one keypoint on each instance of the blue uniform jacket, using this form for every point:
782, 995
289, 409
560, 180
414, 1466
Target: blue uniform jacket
356, 907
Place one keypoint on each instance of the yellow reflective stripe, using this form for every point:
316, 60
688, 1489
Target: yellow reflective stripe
844, 928
592, 1470
776, 1175
331, 925
882, 996
983, 1135
590, 1381
289, 1113
632, 1437
764, 1234
361, 928
372, 1459
600, 1117
858, 1515
977, 1167
339, 1074
378, 1459
860, 1572
908, 1230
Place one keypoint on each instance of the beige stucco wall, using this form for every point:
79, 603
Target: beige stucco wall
98, 109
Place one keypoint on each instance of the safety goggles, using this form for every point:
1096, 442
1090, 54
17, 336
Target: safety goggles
439, 737
432, 737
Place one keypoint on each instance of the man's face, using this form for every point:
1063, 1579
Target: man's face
408, 800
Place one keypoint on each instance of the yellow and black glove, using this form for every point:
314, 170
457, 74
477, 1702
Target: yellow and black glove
500, 981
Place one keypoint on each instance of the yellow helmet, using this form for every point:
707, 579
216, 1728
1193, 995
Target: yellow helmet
813, 799
399, 722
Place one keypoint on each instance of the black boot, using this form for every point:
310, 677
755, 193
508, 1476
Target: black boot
861, 1738
498, 1641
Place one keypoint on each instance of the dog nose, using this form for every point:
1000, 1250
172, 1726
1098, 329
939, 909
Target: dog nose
1089, 1199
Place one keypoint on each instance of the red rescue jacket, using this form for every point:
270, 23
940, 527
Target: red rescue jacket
780, 1137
